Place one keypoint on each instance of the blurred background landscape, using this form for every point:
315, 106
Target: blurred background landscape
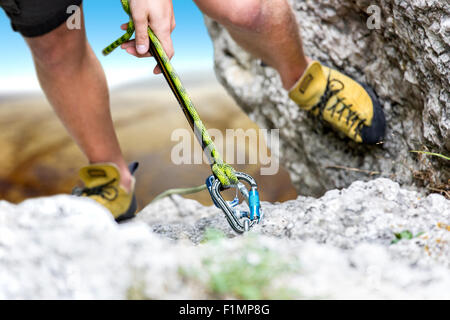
38, 158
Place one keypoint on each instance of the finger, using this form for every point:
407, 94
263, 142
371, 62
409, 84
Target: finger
124, 26
168, 47
132, 44
128, 44
133, 52
163, 34
142, 40
157, 70
174, 24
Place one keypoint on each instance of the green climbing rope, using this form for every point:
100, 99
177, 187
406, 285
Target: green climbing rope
180, 192
224, 172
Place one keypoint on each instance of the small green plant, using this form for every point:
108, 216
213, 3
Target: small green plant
248, 275
432, 154
137, 288
137, 292
405, 235
212, 235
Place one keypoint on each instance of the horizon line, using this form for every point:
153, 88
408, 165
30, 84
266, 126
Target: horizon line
29, 84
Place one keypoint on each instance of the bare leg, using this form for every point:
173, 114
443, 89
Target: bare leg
75, 85
265, 28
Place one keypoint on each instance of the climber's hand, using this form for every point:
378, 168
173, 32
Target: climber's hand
159, 15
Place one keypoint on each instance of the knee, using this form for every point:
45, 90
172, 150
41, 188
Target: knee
245, 14
58, 48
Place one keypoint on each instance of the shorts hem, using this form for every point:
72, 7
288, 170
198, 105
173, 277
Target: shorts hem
48, 26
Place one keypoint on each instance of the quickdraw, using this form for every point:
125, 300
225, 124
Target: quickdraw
240, 221
224, 176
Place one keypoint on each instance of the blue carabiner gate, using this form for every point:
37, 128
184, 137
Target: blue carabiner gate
240, 221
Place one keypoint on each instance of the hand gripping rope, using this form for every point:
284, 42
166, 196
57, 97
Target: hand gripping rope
224, 176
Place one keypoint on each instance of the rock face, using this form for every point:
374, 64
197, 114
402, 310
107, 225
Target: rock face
338, 246
406, 60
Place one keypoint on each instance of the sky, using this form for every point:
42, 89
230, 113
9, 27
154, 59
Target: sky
193, 47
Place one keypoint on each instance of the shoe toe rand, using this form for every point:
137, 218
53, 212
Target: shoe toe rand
376, 132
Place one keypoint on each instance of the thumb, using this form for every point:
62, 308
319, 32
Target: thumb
142, 40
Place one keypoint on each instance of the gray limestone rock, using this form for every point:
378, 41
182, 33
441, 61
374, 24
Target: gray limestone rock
337, 247
406, 61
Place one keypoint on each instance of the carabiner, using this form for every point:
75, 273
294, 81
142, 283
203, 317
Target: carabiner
240, 221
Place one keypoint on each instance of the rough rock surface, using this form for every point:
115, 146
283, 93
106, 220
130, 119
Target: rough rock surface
406, 61
338, 246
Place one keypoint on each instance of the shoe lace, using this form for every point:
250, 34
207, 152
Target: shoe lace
107, 191
333, 88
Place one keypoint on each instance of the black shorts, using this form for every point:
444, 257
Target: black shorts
33, 18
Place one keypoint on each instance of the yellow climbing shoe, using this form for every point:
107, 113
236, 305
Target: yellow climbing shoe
348, 106
102, 184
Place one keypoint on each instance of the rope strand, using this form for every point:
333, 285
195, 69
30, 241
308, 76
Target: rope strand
223, 171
